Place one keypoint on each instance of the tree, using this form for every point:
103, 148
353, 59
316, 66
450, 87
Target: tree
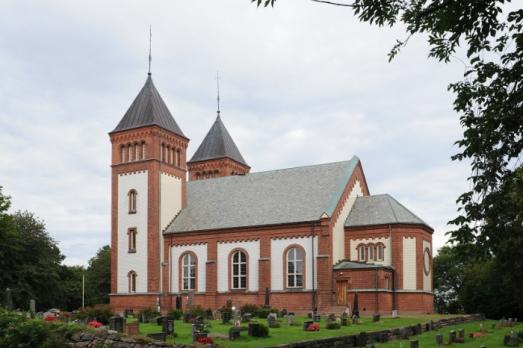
448, 280
9, 247
489, 101
98, 277
71, 286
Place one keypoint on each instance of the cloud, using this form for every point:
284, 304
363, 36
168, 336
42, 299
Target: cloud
302, 83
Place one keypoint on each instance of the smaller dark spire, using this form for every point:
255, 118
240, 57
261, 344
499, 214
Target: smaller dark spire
150, 56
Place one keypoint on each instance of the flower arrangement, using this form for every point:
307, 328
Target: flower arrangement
95, 324
204, 340
49, 318
313, 327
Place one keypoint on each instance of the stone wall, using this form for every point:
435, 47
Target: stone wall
102, 338
364, 338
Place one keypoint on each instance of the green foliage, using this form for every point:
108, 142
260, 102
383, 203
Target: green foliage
249, 308
17, 331
263, 330
101, 313
448, 271
177, 314
263, 312
147, 314
70, 287
197, 311
98, 277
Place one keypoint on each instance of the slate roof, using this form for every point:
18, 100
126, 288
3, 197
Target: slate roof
291, 195
380, 210
357, 265
148, 108
218, 143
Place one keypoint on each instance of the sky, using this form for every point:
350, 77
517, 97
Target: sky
301, 83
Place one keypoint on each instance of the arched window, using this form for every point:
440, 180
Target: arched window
144, 151
122, 154
162, 153
189, 271
130, 153
361, 252
239, 270
178, 157
295, 267
131, 232
132, 201
371, 252
173, 156
132, 281
137, 152
380, 252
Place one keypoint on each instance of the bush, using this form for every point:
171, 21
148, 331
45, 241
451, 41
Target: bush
333, 325
197, 311
100, 313
147, 314
249, 308
177, 314
263, 330
263, 312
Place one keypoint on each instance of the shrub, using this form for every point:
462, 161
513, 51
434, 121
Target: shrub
197, 311
263, 330
147, 314
177, 314
249, 308
100, 313
263, 312
333, 325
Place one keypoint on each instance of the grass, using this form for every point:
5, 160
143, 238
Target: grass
287, 334
493, 337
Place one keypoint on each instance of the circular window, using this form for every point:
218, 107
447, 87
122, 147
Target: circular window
426, 261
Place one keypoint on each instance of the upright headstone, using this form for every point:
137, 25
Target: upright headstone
414, 344
452, 336
116, 323
9, 299
439, 339
290, 319
355, 307
266, 304
32, 307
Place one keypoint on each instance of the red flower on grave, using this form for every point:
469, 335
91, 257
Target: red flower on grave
95, 324
204, 340
313, 327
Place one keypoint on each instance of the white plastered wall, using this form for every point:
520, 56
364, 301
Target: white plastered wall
427, 278
200, 250
338, 230
278, 247
386, 256
224, 250
409, 263
132, 261
171, 198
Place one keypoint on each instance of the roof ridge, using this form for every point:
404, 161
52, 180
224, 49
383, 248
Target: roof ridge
391, 208
304, 166
407, 209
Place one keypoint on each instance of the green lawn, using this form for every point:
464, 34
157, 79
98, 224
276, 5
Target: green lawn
493, 337
286, 334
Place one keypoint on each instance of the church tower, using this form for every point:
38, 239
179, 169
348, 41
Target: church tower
217, 155
148, 190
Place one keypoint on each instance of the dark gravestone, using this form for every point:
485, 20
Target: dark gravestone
226, 317
414, 344
168, 325
247, 317
461, 333
159, 321
234, 333
344, 319
307, 323
452, 336
439, 339
198, 331
254, 329
8, 301
316, 317
116, 323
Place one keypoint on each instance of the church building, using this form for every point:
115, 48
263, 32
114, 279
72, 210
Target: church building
209, 229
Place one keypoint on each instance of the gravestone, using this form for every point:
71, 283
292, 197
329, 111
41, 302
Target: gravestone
132, 328
306, 324
290, 319
375, 318
344, 319
481, 328
217, 315
198, 330
168, 325
8, 301
226, 316
32, 307
254, 329
247, 317
316, 317
452, 336
272, 320
394, 313
461, 333
116, 323
190, 300
234, 333
414, 344
354, 319
439, 339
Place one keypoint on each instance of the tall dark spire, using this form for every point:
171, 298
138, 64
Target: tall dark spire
150, 56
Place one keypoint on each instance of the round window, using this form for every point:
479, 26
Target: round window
426, 261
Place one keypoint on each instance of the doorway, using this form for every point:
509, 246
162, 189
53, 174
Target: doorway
341, 292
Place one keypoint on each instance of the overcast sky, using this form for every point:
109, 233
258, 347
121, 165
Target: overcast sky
302, 83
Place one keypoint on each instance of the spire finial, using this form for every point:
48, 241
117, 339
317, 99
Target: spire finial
150, 57
218, 91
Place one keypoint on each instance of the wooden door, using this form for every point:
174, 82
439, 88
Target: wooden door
341, 292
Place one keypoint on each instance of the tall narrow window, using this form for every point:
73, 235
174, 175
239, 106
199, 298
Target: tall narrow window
144, 152
172, 156
130, 153
380, 252
361, 252
132, 240
177, 157
295, 258
189, 272
371, 252
132, 201
137, 152
132, 281
239, 270
122, 154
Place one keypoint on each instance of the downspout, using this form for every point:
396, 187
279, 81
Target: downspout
393, 271
313, 269
170, 272
160, 278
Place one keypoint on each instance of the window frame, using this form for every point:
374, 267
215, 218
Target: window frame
232, 276
361, 250
132, 281
131, 234
378, 247
133, 201
371, 252
294, 274
182, 276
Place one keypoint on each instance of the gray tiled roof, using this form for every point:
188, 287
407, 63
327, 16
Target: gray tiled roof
357, 265
217, 143
148, 108
380, 210
291, 195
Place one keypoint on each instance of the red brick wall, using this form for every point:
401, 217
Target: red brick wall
223, 166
